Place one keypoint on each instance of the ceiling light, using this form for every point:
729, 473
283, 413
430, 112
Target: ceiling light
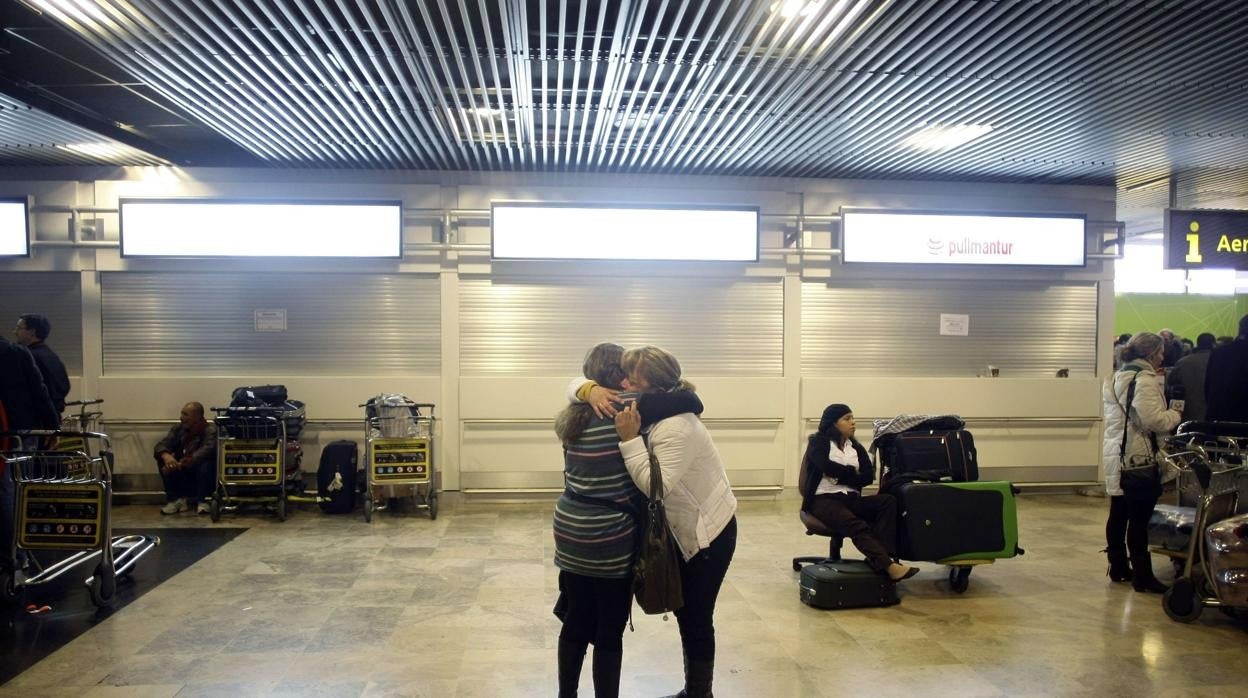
484, 113
945, 136
789, 9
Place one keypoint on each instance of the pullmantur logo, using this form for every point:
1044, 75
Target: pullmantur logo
968, 247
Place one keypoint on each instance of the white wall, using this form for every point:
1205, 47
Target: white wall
494, 431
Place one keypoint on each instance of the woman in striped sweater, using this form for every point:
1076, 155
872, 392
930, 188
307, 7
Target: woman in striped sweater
595, 528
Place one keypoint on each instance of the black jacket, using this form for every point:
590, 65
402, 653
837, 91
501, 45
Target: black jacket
1226, 383
22, 392
55, 377
819, 464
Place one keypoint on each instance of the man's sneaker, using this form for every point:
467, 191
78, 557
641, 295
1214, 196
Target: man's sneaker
203, 508
177, 505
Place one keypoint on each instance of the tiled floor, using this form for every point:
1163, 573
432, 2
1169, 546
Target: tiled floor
331, 606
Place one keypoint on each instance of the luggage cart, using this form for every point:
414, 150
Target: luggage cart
252, 453
62, 506
86, 420
1211, 460
398, 454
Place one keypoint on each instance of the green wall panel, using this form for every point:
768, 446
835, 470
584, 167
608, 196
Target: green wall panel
1188, 316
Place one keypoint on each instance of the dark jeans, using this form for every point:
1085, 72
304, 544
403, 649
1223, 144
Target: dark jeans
1128, 518
597, 610
847, 516
700, 580
194, 483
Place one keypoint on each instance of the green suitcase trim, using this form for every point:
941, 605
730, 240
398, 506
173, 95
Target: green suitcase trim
1009, 520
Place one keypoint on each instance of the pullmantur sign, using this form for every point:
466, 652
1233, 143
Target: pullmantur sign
939, 237
1206, 239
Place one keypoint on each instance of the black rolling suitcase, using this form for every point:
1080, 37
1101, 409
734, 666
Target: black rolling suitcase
935, 455
335, 477
951, 521
845, 584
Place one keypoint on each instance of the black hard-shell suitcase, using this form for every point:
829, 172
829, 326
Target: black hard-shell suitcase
338, 458
845, 584
934, 455
249, 395
957, 520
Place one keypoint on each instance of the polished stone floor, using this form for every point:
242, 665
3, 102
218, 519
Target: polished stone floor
331, 606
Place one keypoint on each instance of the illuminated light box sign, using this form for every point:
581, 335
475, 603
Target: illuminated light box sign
618, 232
236, 228
14, 228
1206, 239
921, 237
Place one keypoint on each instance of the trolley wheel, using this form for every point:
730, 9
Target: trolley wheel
103, 586
433, 506
214, 509
368, 509
960, 579
1181, 601
281, 507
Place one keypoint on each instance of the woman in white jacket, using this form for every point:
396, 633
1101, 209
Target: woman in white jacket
701, 509
1148, 422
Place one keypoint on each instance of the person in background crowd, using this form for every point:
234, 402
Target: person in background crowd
1173, 350
187, 460
837, 468
32, 332
1149, 420
24, 404
1119, 343
701, 509
1223, 341
1226, 379
1188, 347
1186, 381
595, 528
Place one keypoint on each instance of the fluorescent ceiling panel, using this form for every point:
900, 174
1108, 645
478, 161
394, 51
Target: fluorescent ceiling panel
208, 228
955, 238
546, 231
14, 228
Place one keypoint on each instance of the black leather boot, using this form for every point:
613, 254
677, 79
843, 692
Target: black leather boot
1142, 578
571, 657
607, 673
698, 677
1119, 568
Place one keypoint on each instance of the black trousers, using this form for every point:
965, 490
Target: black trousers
847, 515
700, 580
1128, 519
193, 482
597, 610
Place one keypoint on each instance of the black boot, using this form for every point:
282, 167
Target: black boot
1142, 578
571, 657
607, 673
1119, 568
698, 677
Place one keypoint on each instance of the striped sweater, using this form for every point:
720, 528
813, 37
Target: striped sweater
590, 539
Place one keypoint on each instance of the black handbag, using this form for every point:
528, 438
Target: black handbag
1141, 477
656, 574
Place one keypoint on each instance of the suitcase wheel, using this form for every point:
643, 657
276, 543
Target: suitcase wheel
960, 579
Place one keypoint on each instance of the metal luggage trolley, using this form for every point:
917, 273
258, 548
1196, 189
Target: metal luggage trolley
398, 454
62, 505
1211, 460
251, 459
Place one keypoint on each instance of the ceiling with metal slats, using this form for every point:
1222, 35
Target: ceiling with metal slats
1122, 92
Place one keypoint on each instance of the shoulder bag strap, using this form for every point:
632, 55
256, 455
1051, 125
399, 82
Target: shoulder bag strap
656, 476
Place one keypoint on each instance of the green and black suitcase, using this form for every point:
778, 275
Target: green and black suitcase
951, 521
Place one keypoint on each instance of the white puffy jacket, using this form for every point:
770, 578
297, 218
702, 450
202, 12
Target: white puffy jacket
697, 496
1148, 415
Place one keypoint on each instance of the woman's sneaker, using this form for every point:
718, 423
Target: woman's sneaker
203, 508
174, 507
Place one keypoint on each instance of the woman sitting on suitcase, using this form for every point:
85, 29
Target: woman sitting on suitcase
837, 468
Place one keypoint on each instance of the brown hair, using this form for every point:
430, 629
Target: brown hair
602, 366
660, 369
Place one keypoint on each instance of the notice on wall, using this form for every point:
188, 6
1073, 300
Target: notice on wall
955, 325
271, 320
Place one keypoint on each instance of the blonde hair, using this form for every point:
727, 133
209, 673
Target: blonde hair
660, 369
1141, 346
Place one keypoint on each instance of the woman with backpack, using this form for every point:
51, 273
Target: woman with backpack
1136, 419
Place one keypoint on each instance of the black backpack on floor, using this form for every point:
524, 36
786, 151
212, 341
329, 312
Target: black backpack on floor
336, 477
